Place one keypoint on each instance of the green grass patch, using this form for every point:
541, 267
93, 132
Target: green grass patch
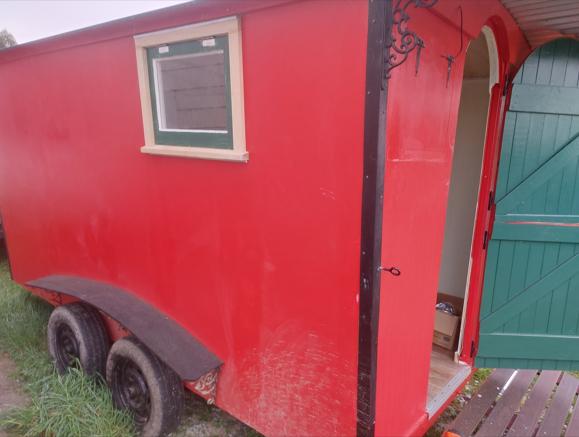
71, 405
74, 405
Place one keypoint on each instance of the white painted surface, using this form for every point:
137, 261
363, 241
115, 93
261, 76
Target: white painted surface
464, 186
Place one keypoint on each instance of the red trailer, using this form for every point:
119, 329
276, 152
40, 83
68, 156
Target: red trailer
263, 200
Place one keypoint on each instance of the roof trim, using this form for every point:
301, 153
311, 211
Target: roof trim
542, 21
174, 16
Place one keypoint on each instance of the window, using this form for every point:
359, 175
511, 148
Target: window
191, 87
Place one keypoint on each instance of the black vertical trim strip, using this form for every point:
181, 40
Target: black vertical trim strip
379, 25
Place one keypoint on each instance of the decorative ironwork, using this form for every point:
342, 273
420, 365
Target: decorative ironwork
451, 58
450, 62
207, 386
401, 41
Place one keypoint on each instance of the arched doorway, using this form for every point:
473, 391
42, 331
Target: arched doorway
479, 75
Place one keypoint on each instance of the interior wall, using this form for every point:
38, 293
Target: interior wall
464, 185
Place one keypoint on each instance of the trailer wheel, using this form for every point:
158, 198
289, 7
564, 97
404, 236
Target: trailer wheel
145, 386
77, 335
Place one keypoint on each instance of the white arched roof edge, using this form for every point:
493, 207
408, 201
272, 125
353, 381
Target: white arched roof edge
493, 56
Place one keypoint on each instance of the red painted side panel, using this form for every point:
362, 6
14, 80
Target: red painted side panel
422, 117
260, 261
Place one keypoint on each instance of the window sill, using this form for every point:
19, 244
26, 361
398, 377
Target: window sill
196, 152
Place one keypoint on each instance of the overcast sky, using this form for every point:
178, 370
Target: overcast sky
29, 20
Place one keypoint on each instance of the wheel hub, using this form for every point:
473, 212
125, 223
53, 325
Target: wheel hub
67, 350
131, 390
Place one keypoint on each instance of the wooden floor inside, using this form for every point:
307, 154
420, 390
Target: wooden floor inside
442, 371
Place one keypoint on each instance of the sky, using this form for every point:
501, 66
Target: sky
29, 20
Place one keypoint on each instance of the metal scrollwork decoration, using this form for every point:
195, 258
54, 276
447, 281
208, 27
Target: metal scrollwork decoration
401, 41
207, 386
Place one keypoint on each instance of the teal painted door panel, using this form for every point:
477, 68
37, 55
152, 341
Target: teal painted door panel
545, 99
529, 316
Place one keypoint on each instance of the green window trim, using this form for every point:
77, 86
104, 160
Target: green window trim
191, 138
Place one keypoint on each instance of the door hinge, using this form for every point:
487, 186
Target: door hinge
491, 200
506, 84
472, 347
485, 239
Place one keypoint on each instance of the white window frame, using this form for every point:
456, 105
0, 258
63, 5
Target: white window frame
158, 80
227, 26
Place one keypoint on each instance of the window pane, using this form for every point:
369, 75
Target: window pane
192, 89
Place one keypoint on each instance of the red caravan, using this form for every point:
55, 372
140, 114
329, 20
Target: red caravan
249, 243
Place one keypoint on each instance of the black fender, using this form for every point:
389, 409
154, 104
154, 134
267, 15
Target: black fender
174, 345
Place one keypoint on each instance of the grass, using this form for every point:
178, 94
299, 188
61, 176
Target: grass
74, 405
70, 405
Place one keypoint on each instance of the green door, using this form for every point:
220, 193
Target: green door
530, 308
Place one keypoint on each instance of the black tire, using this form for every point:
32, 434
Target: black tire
77, 335
142, 384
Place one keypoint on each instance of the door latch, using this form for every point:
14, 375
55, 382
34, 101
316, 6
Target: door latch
394, 271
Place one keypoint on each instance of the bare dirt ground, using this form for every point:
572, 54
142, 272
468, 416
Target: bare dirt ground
11, 395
